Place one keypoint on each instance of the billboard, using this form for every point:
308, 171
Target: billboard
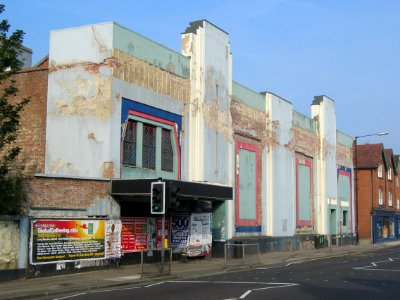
67, 240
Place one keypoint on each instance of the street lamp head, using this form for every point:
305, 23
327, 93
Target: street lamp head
373, 134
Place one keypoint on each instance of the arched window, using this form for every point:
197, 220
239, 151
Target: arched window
380, 197
380, 170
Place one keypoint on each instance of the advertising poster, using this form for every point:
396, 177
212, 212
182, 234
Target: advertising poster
141, 234
200, 238
128, 237
179, 230
67, 240
113, 238
134, 234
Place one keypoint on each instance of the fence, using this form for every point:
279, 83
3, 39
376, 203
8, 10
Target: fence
156, 262
242, 254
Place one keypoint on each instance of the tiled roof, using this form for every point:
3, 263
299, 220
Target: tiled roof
396, 163
389, 157
369, 155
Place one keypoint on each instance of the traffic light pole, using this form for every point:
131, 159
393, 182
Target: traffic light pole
162, 243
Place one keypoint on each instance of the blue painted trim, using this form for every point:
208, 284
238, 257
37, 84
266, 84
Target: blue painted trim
248, 228
150, 110
343, 168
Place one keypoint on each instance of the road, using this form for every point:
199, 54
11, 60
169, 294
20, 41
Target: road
374, 275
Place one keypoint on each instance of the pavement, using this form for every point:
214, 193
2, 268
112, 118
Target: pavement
129, 275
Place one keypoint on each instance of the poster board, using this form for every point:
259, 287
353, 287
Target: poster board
200, 239
113, 238
66, 240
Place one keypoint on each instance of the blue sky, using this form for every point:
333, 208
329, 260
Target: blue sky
297, 49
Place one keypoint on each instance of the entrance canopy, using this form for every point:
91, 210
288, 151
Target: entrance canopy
126, 189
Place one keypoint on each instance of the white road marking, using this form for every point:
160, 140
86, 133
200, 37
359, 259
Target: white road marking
245, 294
71, 296
272, 285
124, 278
158, 283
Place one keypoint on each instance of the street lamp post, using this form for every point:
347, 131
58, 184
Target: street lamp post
356, 174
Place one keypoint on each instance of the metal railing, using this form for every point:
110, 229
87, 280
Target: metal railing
242, 254
156, 262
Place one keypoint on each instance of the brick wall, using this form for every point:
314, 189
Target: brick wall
32, 136
45, 192
366, 195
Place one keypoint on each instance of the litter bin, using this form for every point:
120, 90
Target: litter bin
319, 241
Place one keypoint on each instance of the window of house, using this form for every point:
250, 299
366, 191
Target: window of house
390, 199
167, 154
398, 205
389, 175
149, 147
380, 171
380, 197
129, 144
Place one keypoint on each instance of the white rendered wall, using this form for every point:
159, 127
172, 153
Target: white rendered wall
280, 168
323, 109
79, 106
208, 150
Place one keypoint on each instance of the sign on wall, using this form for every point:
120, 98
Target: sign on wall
141, 233
67, 240
200, 239
113, 238
180, 230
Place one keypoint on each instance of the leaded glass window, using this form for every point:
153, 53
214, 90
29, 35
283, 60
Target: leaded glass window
129, 145
167, 155
149, 147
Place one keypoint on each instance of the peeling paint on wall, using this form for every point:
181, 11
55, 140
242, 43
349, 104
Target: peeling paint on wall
304, 142
218, 120
255, 123
343, 155
9, 246
108, 169
136, 71
87, 94
57, 166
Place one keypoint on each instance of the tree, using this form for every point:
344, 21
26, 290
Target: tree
10, 175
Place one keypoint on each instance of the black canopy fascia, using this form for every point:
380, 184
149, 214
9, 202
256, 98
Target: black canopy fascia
186, 189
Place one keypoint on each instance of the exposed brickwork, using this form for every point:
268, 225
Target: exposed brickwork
254, 123
343, 155
146, 75
65, 193
304, 142
32, 136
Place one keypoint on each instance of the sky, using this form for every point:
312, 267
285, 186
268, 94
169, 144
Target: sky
348, 50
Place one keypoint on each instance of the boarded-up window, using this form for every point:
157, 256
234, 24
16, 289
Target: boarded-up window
344, 190
167, 154
304, 196
247, 179
304, 193
129, 144
149, 147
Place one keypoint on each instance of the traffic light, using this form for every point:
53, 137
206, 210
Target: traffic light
157, 198
173, 196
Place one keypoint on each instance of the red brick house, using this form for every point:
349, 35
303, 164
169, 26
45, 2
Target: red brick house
378, 193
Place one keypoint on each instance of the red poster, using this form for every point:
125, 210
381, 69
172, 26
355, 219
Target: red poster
134, 234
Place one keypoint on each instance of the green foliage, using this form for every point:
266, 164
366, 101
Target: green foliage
11, 192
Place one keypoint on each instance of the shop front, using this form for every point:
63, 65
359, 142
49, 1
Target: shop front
385, 226
188, 219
